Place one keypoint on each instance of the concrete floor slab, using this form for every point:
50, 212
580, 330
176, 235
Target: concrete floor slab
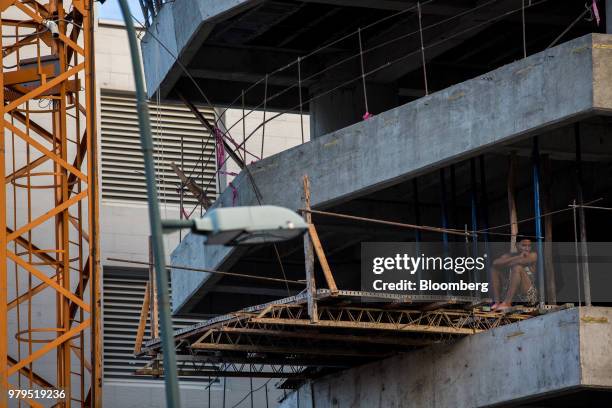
560, 352
541, 92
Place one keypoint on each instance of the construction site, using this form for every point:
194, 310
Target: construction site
234, 203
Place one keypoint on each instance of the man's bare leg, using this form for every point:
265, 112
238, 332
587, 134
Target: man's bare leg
496, 279
518, 279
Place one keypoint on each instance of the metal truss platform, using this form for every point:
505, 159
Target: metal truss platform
280, 340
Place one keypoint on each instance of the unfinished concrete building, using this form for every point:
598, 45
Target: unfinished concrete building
490, 117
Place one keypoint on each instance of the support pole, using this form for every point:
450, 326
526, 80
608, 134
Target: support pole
512, 201
549, 268
485, 212
417, 221
584, 253
167, 335
3, 259
417, 210
444, 215
474, 205
311, 288
153, 312
453, 181
474, 215
538, 219
142, 321
608, 16
444, 209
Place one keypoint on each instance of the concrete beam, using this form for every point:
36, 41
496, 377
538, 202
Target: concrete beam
512, 102
393, 5
177, 25
375, 4
538, 358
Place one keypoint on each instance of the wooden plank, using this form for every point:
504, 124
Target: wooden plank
144, 311
329, 277
230, 151
342, 352
311, 288
512, 201
399, 327
153, 294
192, 186
346, 338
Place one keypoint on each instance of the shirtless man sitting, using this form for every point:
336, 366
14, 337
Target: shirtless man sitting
522, 266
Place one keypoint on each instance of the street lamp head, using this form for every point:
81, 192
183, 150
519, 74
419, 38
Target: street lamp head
249, 225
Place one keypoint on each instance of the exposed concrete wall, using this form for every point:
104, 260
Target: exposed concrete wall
346, 106
547, 354
596, 346
538, 93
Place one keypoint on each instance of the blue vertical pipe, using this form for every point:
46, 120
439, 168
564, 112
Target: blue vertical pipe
538, 218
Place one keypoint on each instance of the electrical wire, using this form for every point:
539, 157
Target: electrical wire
266, 100
212, 271
250, 393
389, 63
569, 27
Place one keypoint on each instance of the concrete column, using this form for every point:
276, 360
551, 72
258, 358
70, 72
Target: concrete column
346, 106
609, 16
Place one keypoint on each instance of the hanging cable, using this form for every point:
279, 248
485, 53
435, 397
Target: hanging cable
337, 41
576, 252
395, 61
263, 129
244, 159
211, 271
524, 29
367, 113
267, 99
299, 67
250, 393
422, 49
569, 27
374, 48
224, 386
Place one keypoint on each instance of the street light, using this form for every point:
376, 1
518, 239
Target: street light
238, 225
243, 225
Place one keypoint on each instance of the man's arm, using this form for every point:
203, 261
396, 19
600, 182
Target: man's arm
503, 260
524, 260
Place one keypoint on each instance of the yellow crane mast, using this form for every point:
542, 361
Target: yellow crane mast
49, 264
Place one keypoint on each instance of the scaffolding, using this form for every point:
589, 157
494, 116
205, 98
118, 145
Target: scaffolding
280, 339
49, 281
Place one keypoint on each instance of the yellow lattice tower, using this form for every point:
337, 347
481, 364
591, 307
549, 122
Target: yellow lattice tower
49, 281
